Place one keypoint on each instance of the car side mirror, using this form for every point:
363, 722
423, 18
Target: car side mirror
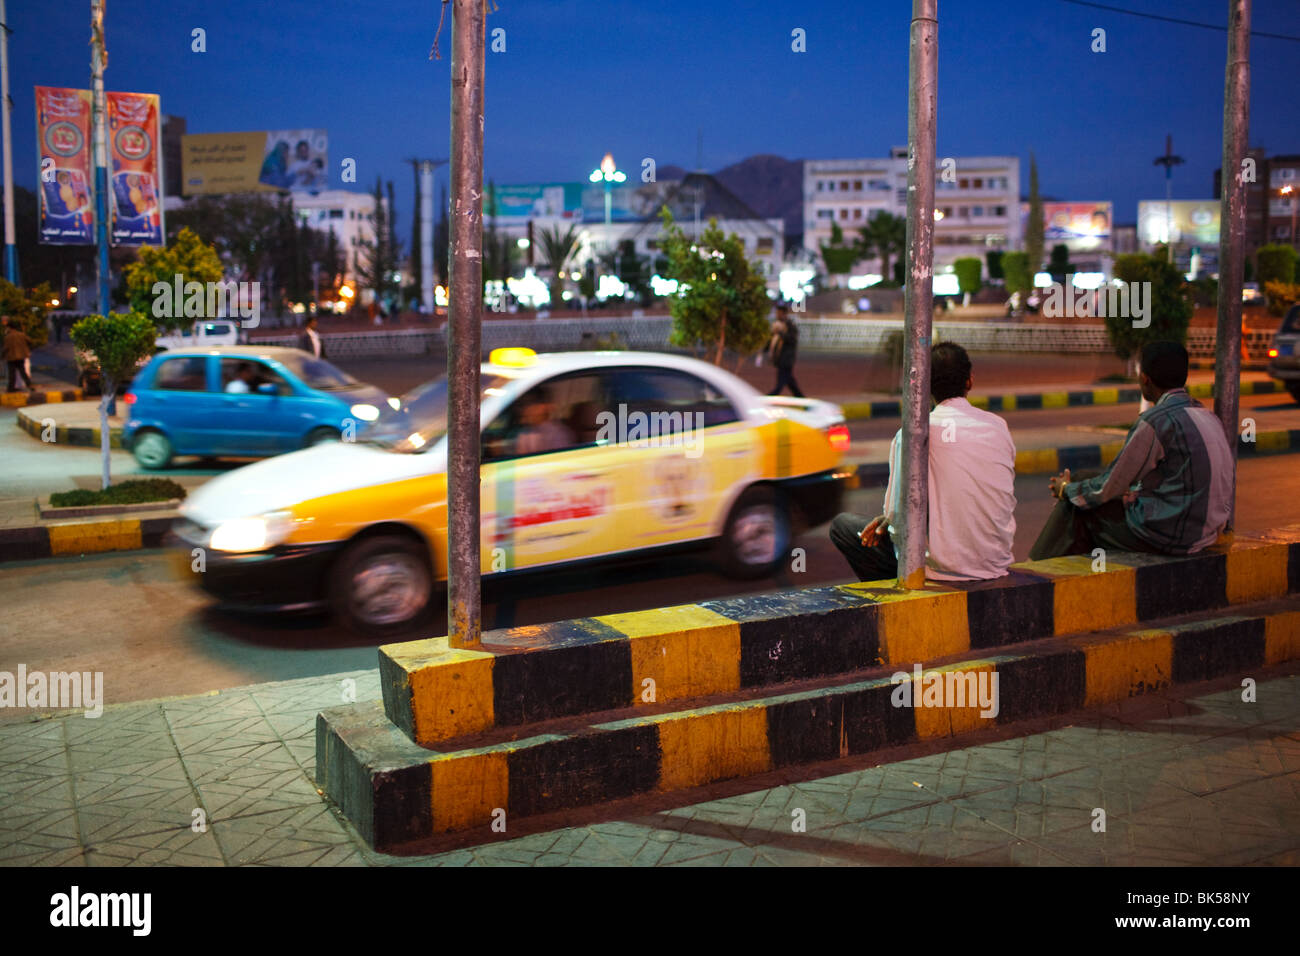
267, 388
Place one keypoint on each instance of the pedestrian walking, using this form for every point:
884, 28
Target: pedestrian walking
783, 347
310, 340
17, 351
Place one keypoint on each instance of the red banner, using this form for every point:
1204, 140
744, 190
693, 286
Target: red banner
63, 144
135, 178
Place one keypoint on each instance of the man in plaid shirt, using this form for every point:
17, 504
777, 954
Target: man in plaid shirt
1168, 491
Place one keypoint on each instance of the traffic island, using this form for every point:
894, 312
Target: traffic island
582, 712
69, 423
39, 396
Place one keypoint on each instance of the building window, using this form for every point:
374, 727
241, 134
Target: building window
977, 183
999, 210
825, 213
765, 246
830, 185
652, 243
963, 184
857, 214
977, 211
844, 185
844, 214
1286, 175
857, 185
821, 186
336, 213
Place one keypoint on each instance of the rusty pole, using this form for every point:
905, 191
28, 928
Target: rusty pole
918, 296
1232, 232
464, 339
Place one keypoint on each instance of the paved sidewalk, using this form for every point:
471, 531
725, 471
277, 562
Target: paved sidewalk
1187, 777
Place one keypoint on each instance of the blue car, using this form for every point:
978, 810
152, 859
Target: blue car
241, 401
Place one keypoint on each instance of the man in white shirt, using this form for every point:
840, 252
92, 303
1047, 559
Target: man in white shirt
310, 340
972, 476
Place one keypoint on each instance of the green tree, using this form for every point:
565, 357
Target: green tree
721, 301
187, 256
839, 255
884, 235
968, 276
1015, 269
381, 255
557, 249
1034, 227
1277, 263
28, 308
1169, 305
994, 260
119, 343
244, 228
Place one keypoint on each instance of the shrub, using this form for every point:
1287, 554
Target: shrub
133, 492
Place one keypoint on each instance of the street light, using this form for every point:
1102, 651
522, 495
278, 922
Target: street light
1289, 190
609, 174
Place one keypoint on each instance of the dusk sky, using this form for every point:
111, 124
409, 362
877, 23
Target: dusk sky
638, 79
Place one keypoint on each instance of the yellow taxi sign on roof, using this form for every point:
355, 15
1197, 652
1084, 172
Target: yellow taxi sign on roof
512, 357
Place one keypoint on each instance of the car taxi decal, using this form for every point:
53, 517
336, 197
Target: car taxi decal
501, 530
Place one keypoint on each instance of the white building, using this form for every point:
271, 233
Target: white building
350, 215
977, 202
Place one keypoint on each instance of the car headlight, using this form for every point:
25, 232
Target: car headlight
395, 404
252, 534
367, 413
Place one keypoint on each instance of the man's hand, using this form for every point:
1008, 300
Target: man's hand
873, 532
1058, 482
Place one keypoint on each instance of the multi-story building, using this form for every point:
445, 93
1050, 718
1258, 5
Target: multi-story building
1268, 209
977, 201
349, 215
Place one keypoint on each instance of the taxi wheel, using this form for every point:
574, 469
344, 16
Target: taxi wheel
152, 450
382, 585
318, 436
757, 536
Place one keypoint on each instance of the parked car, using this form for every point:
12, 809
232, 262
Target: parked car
1284, 356
218, 332
241, 401
362, 527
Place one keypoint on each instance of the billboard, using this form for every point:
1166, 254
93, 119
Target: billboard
1190, 222
292, 159
537, 201
67, 207
1079, 225
135, 173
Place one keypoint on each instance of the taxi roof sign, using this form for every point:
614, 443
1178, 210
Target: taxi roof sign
512, 357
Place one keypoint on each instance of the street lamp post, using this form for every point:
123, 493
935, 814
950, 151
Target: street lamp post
1169, 161
609, 174
1291, 191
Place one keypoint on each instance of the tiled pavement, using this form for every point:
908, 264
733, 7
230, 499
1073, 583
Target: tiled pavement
1190, 777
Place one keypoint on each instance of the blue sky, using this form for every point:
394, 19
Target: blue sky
639, 79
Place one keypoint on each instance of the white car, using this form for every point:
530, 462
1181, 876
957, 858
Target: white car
217, 332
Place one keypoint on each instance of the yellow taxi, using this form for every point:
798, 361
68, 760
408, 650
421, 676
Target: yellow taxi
585, 456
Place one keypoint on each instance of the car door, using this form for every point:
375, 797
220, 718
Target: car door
183, 403
547, 484
683, 448
258, 423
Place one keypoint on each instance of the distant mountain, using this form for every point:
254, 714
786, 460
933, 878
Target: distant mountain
771, 185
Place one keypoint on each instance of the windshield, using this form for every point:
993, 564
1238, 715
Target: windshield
421, 419
1291, 324
318, 373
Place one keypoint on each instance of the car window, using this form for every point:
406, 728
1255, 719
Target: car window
216, 328
247, 375
420, 417
556, 415
672, 396
316, 372
186, 374
1291, 324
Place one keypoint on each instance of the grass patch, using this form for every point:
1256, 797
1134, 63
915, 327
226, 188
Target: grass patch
134, 492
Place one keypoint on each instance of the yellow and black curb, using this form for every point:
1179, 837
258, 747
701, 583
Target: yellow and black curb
37, 426
1027, 401
89, 536
41, 397
522, 705
395, 791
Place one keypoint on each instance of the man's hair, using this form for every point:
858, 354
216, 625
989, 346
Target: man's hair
782, 307
949, 371
1165, 363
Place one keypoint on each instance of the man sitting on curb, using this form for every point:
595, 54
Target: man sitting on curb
972, 489
1168, 491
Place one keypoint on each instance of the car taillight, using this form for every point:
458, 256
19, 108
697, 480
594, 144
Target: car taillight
129, 398
1272, 353
839, 437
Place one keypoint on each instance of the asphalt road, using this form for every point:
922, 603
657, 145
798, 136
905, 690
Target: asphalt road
155, 636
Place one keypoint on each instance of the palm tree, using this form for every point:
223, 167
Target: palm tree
557, 249
884, 235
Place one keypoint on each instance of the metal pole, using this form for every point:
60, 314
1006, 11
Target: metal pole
426, 237
1232, 232
918, 295
98, 62
464, 611
11, 250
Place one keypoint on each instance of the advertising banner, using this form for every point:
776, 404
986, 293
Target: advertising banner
135, 174
67, 206
1193, 222
296, 160
538, 201
1079, 225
